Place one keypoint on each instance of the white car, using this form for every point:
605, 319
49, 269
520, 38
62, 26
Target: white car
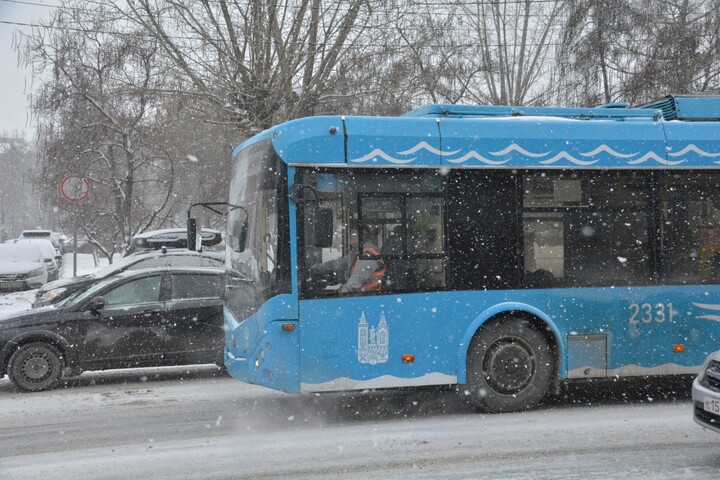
22, 267
170, 238
51, 255
706, 394
45, 234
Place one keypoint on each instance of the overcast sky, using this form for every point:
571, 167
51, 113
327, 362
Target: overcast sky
14, 80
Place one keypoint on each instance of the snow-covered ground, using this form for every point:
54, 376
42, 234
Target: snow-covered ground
193, 423
18, 301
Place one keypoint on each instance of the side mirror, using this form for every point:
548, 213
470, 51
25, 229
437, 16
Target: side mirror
321, 220
191, 233
303, 194
238, 235
96, 303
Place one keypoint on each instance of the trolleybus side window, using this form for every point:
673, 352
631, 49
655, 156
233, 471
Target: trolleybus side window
689, 228
586, 229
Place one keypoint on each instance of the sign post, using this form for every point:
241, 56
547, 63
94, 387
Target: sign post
75, 189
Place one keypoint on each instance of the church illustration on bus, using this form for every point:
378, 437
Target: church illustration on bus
372, 341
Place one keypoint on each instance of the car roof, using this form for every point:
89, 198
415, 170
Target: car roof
147, 271
171, 232
127, 261
158, 270
164, 252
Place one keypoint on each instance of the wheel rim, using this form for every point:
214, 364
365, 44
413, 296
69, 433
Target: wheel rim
37, 367
508, 366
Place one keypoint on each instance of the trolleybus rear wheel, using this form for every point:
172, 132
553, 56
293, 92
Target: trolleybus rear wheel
509, 366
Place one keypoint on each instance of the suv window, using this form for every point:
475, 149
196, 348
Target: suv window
188, 285
141, 290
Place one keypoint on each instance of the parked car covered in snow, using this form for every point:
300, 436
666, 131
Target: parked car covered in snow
22, 267
55, 291
50, 253
170, 238
706, 394
45, 234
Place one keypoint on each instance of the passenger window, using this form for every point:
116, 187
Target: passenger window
588, 229
689, 228
186, 286
142, 290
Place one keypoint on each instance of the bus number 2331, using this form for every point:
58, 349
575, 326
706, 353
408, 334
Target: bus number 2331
649, 313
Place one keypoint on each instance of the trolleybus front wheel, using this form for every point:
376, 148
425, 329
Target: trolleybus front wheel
509, 366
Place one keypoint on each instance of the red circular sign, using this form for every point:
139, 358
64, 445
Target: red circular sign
75, 189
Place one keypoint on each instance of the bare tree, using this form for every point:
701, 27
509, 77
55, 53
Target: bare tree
514, 48
596, 38
258, 62
679, 52
98, 113
636, 50
20, 206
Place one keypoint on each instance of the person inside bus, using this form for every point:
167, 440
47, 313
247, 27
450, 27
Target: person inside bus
359, 271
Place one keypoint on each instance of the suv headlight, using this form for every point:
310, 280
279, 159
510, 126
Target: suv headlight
53, 294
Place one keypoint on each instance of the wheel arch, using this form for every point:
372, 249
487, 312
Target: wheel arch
537, 318
51, 338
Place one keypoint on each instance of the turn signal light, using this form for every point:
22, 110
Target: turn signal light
408, 358
288, 327
678, 348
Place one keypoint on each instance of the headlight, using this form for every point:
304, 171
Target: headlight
705, 366
36, 272
52, 294
707, 361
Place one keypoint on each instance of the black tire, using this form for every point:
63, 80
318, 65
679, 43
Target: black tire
35, 366
509, 366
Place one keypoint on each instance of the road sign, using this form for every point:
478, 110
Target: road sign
75, 189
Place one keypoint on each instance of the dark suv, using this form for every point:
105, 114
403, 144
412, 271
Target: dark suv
142, 318
55, 291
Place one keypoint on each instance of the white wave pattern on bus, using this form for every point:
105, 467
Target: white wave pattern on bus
693, 148
711, 307
379, 153
514, 147
562, 156
428, 147
474, 155
656, 158
605, 149
566, 156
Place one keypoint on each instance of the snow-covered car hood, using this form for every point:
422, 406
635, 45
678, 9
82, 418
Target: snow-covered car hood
64, 282
11, 268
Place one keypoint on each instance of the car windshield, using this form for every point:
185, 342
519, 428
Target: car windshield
20, 253
45, 246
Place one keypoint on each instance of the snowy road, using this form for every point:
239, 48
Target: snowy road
171, 423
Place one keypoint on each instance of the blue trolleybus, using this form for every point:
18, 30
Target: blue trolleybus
511, 249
